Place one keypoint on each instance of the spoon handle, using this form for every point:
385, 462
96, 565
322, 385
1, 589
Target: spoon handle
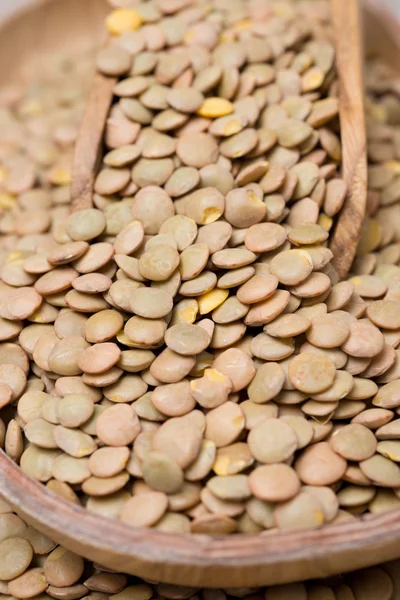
349, 61
89, 143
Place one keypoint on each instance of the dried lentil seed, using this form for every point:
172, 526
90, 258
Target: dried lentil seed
198, 207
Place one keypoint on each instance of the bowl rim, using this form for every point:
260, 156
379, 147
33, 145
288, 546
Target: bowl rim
187, 559
199, 560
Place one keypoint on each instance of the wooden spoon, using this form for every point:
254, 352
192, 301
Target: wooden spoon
224, 561
346, 25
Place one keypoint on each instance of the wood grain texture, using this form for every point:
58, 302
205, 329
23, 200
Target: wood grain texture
89, 143
225, 561
233, 561
349, 62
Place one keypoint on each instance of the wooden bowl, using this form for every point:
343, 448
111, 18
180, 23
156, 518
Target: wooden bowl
230, 561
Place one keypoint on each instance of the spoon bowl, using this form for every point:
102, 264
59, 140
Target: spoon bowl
224, 561
348, 43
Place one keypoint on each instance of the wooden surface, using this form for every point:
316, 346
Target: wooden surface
346, 21
232, 561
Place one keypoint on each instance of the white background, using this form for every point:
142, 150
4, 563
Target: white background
8, 6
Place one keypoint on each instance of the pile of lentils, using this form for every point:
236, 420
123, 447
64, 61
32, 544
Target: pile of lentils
32, 566
182, 355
